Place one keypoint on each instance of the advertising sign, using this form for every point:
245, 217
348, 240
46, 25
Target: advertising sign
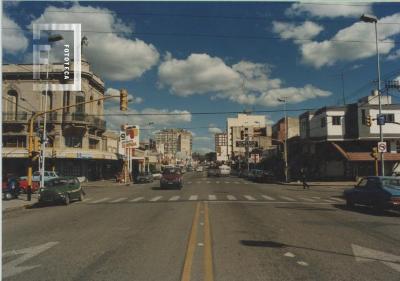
244, 143
131, 136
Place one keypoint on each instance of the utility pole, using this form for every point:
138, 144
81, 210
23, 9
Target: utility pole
284, 100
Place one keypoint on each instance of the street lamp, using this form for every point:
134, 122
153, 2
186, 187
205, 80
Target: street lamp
284, 100
51, 39
373, 19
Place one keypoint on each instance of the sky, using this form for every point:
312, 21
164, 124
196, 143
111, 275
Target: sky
192, 57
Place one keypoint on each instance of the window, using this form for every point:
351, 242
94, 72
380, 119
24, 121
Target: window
11, 104
363, 117
398, 146
73, 141
336, 120
362, 183
389, 118
79, 98
49, 106
323, 122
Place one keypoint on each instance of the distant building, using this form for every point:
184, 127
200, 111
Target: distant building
174, 144
221, 146
279, 129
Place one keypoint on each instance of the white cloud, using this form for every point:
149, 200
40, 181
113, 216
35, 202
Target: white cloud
111, 53
321, 10
244, 82
202, 139
149, 115
306, 30
13, 38
214, 130
394, 56
362, 45
203, 150
115, 92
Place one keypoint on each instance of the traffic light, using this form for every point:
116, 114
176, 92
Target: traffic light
53, 153
36, 144
374, 152
242, 135
368, 121
123, 99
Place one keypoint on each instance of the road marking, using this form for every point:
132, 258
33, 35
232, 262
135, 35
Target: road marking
119, 200
363, 254
337, 199
198, 182
191, 246
212, 197
287, 198
303, 263
236, 182
246, 183
227, 182
307, 199
327, 200
217, 182
174, 198
137, 199
87, 199
193, 197
267, 197
13, 267
200, 244
208, 182
316, 198
248, 197
189, 182
289, 255
208, 261
155, 199
100, 200
231, 197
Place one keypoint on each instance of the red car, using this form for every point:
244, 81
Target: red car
23, 184
171, 177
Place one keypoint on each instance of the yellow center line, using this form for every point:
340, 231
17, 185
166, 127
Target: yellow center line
208, 262
191, 247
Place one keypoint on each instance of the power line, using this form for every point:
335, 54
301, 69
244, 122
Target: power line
220, 36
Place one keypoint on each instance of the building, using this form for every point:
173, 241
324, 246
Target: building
279, 129
174, 144
337, 142
76, 144
221, 146
247, 128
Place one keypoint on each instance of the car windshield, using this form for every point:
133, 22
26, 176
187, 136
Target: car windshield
392, 183
171, 172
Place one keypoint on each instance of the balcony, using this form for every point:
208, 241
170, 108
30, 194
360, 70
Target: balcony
83, 118
15, 117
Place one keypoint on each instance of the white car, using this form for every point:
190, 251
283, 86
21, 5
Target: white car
48, 175
157, 175
199, 169
224, 171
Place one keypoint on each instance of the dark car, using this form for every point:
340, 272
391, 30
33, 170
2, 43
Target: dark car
267, 177
62, 189
144, 178
212, 172
171, 177
379, 192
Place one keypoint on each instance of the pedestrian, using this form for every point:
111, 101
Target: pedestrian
304, 179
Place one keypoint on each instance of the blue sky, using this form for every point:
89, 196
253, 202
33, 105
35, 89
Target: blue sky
210, 56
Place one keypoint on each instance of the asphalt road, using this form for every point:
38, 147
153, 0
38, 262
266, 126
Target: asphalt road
213, 229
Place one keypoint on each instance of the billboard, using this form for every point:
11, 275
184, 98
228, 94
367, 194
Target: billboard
131, 136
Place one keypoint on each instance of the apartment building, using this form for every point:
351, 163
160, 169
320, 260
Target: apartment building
338, 141
174, 144
76, 144
221, 146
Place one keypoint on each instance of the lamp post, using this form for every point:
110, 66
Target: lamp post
51, 39
284, 100
373, 19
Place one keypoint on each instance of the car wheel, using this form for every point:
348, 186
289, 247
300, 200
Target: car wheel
67, 199
80, 198
349, 203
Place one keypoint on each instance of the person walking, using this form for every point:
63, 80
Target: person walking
303, 175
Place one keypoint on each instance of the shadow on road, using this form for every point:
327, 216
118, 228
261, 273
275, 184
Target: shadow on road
274, 244
305, 208
368, 210
164, 188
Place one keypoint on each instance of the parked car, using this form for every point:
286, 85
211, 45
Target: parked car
48, 175
171, 177
224, 171
10, 187
144, 178
267, 176
157, 175
23, 184
379, 192
212, 172
61, 189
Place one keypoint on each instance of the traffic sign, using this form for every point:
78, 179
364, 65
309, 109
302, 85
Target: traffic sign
380, 119
382, 146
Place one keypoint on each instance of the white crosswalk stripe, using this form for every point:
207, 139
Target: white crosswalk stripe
212, 197
336, 199
100, 200
227, 182
327, 200
236, 182
189, 182
231, 197
217, 182
267, 197
198, 182
174, 198
316, 198
287, 198
119, 200
155, 199
137, 199
306, 199
193, 197
248, 197
246, 183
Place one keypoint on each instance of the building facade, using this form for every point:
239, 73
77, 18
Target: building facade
174, 144
76, 144
221, 146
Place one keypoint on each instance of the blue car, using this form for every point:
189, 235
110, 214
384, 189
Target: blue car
379, 192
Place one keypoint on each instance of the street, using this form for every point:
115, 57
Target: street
212, 229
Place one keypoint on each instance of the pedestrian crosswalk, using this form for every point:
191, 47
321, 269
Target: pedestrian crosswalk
217, 197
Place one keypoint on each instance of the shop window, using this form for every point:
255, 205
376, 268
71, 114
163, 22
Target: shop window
73, 141
14, 141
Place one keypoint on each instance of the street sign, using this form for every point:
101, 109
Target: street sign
382, 146
380, 119
244, 143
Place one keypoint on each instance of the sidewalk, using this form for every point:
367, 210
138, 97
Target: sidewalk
19, 203
332, 184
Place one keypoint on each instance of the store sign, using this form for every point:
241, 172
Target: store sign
244, 143
83, 155
131, 136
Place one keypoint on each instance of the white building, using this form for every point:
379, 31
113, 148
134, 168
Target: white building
221, 146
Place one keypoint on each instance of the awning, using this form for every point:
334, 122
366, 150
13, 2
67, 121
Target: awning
364, 156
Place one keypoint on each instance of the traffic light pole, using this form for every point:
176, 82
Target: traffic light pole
30, 138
